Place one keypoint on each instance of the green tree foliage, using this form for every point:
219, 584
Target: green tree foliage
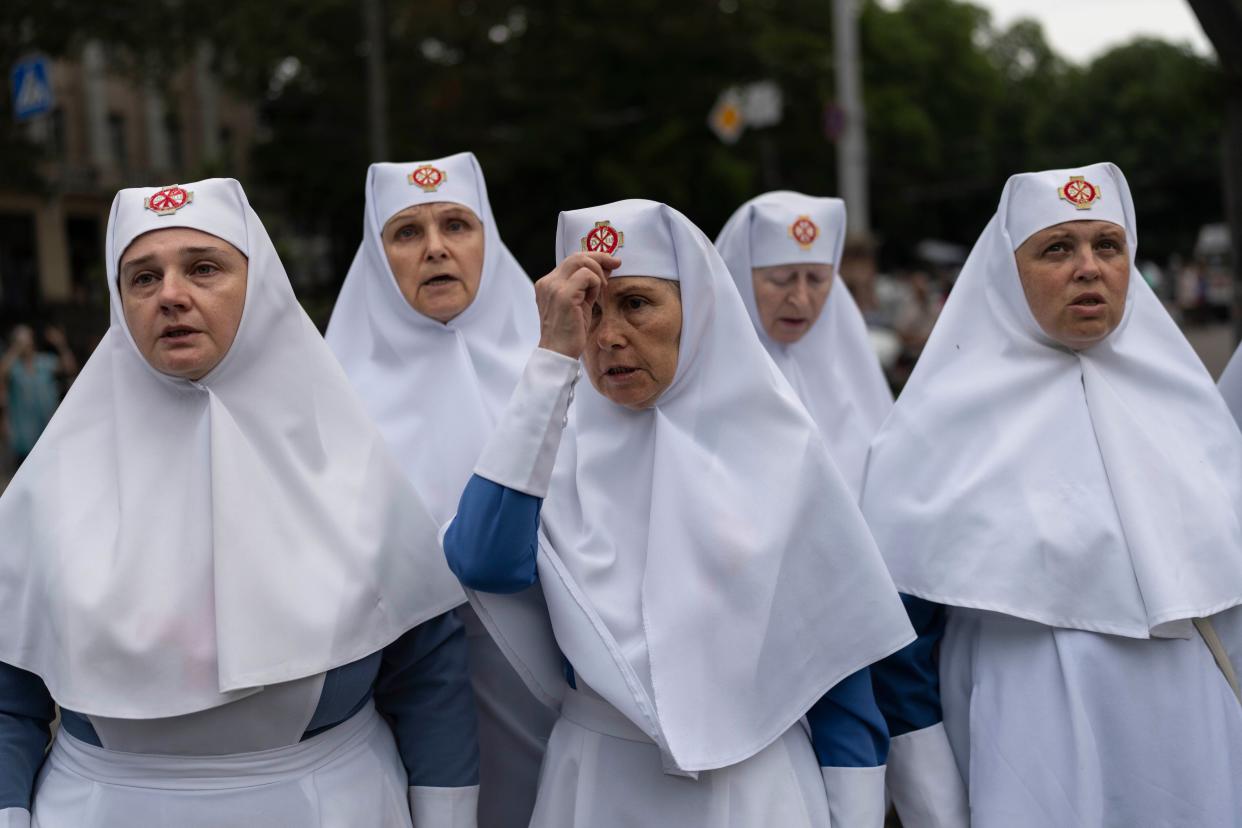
1157, 111
569, 104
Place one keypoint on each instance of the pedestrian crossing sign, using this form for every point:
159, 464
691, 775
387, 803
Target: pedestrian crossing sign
32, 87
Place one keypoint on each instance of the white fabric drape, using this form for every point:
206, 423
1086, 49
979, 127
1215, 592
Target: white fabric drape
833, 368
170, 546
1098, 490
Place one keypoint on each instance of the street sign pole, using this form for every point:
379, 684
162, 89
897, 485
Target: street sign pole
852, 145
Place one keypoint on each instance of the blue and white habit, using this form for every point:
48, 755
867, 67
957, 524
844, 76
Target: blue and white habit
221, 582
436, 391
1076, 511
685, 583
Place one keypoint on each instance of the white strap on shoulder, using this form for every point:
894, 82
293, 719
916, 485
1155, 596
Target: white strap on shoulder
1213, 642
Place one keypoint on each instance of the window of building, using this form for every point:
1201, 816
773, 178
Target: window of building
19, 267
118, 139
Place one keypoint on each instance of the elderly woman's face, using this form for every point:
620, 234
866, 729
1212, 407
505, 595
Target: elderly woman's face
1075, 276
436, 255
182, 292
790, 298
633, 338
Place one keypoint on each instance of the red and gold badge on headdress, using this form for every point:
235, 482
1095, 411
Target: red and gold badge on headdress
804, 232
168, 200
603, 238
427, 178
1080, 192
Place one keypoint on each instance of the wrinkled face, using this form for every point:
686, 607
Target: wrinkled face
1075, 276
182, 292
632, 339
436, 255
790, 298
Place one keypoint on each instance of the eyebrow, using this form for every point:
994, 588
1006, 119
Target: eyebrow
456, 211
143, 261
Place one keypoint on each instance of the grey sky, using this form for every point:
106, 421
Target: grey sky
1081, 29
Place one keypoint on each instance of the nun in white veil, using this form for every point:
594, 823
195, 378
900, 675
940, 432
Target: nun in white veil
212, 565
672, 561
433, 325
1062, 475
783, 249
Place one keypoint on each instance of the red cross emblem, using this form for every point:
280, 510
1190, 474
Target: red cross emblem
804, 232
168, 200
1080, 192
427, 178
603, 238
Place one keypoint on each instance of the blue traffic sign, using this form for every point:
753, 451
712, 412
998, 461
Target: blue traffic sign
31, 80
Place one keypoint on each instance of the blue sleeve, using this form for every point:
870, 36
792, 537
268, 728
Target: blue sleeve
423, 689
26, 713
907, 683
491, 545
847, 729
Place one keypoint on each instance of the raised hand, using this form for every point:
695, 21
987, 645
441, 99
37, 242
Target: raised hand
565, 298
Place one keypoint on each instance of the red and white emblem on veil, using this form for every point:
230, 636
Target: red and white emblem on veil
427, 178
603, 238
1080, 192
168, 200
804, 232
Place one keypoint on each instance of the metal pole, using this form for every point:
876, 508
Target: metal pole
377, 85
852, 146
208, 105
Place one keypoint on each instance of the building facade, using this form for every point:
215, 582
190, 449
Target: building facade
112, 125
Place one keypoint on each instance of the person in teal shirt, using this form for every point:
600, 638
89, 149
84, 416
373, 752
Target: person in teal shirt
29, 392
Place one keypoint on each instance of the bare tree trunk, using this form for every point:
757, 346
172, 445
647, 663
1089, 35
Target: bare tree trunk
377, 84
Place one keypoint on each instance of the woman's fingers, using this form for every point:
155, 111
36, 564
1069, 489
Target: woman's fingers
566, 297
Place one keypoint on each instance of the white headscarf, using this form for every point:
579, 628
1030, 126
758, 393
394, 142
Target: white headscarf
172, 545
832, 367
1096, 489
712, 532
435, 389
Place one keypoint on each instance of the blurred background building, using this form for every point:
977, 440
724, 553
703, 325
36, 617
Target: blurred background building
105, 129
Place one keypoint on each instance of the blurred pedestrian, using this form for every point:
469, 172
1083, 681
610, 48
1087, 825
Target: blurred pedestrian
433, 325
1061, 474
29, 387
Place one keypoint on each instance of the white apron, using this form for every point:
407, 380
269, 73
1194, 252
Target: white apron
601, 770
1059, 728
347, 777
